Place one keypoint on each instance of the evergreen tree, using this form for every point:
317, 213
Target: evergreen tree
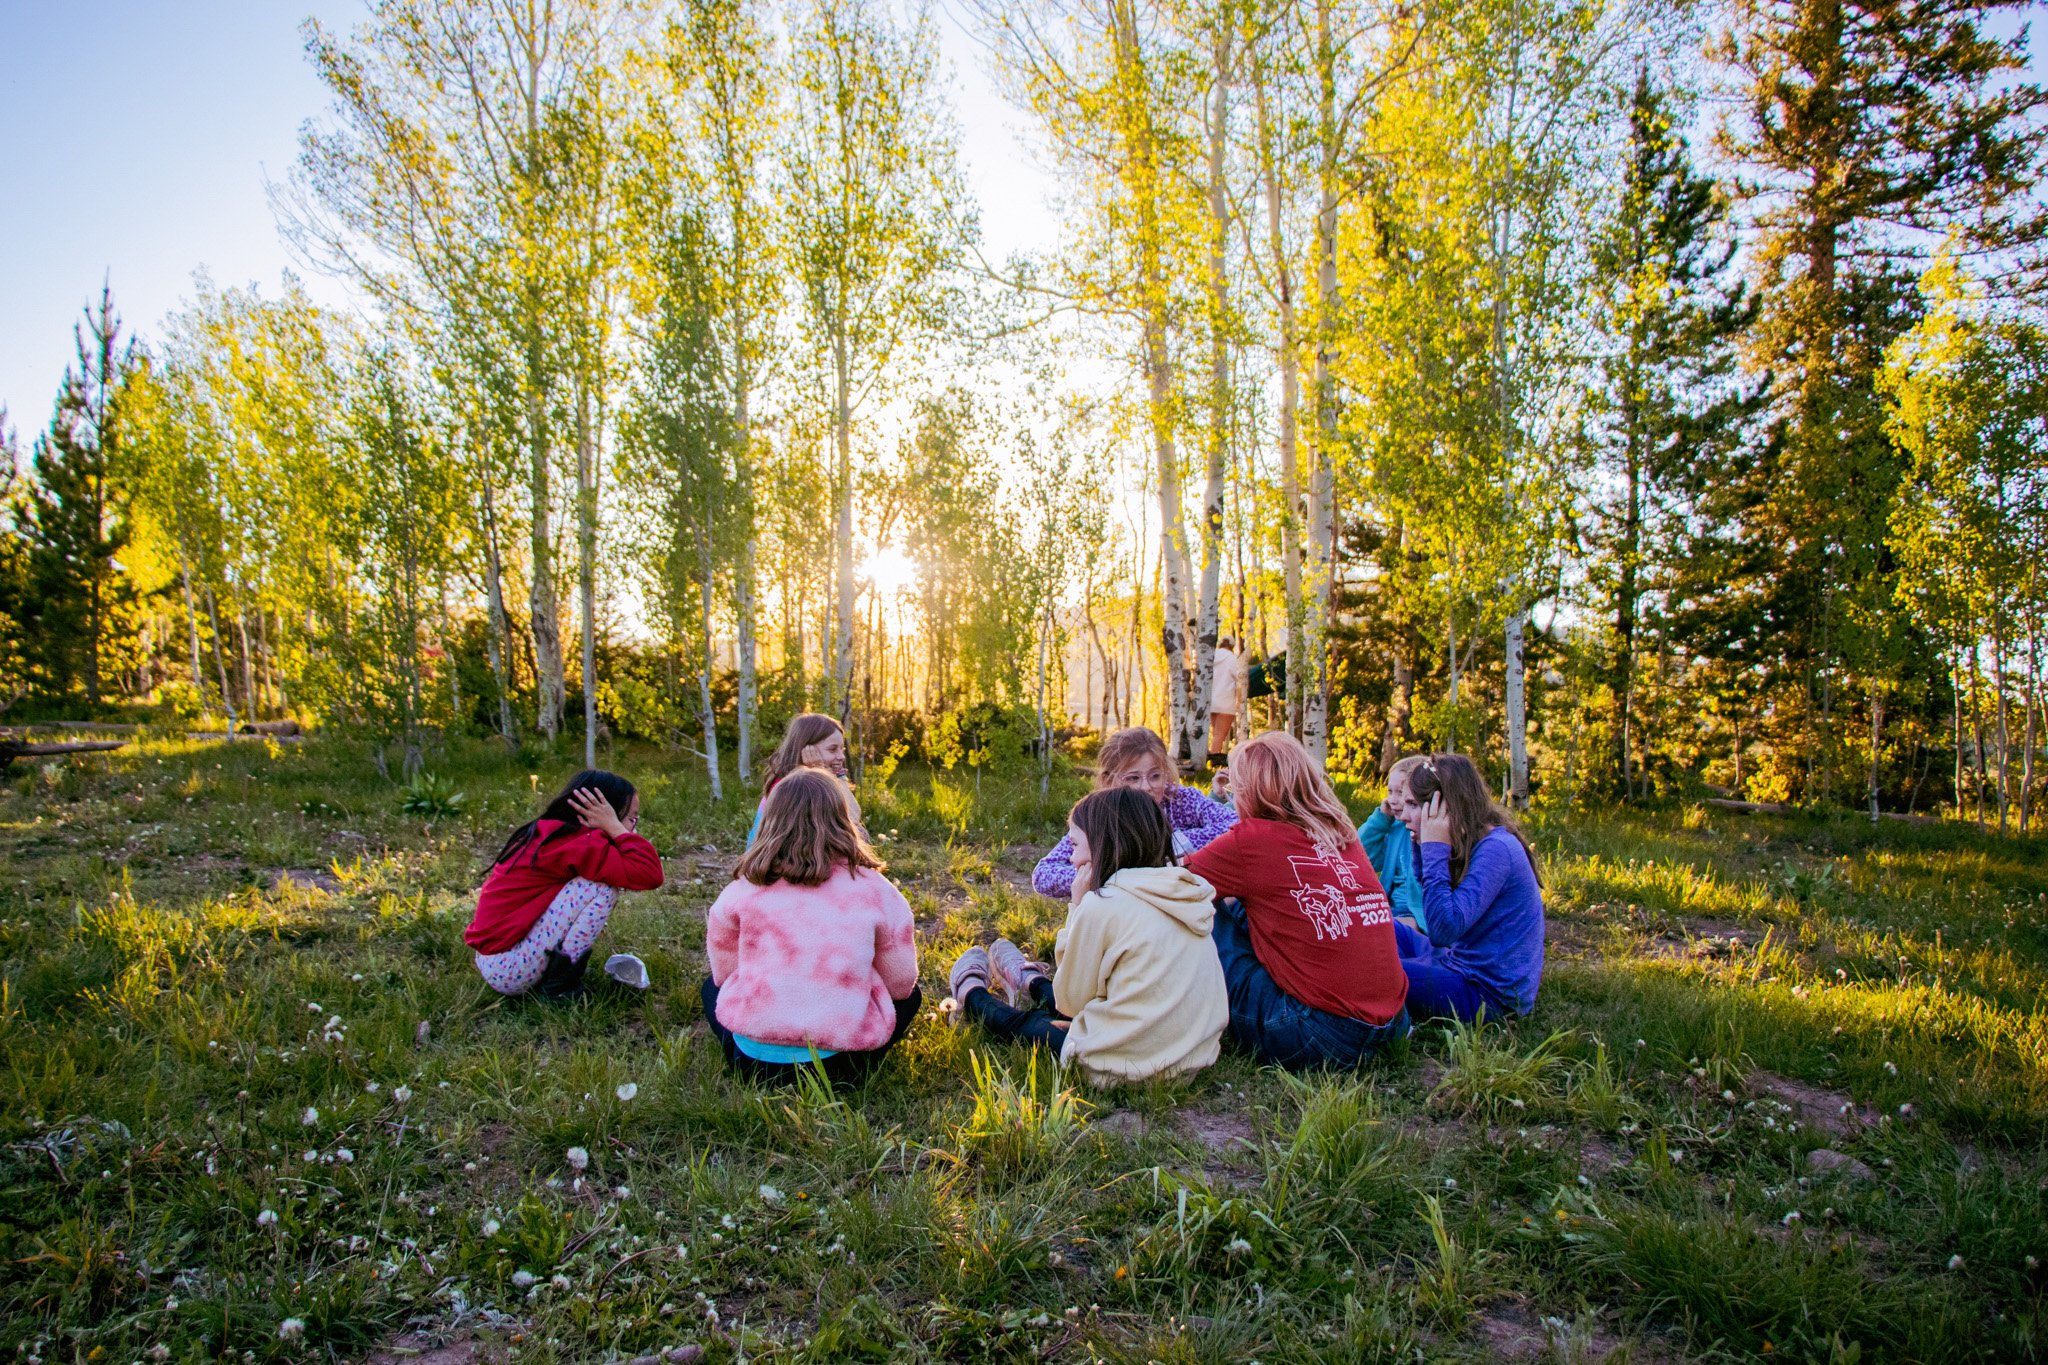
1679, 414
77, 597
1871, 128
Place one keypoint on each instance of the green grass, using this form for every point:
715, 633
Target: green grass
232, 1104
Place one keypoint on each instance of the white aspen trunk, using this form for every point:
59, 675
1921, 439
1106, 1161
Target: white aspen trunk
544, 612
704, 572
1218, 451
191, 625
1287, 439
1044, 730
744, 603
1876, 741
498, 635
842, 492
586, 547
1142, 171
1516, 687
220, 662
1313, 655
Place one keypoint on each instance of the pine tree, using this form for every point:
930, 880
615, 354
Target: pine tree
77, 594
1679, 412
1871, 129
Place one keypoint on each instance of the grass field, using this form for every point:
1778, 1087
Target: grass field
1786, 1096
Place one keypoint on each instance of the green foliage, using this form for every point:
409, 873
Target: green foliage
1016, 1121
431, 795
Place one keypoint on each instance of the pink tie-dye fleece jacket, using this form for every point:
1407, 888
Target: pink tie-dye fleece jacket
813, 965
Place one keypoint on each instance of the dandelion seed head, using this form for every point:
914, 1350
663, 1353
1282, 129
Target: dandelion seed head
291, 1329
402, 1094
1955, 1263
310, 1117
522, 1279
267, 1218
626, 1092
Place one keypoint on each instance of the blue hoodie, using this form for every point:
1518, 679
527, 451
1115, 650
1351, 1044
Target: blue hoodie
1391, 851
1489, 927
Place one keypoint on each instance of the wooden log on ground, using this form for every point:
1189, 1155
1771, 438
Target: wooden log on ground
110, 727
224, 735
12, 749
277, 729
1748, 807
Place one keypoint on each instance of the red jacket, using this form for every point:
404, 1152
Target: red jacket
519, 890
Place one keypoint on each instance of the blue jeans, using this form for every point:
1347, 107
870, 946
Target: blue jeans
1275, 1027
1436, 992
1038, 1022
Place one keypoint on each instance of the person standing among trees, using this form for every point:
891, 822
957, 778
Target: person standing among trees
1226, 698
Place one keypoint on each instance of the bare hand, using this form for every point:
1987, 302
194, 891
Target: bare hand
1436, 821
1219, 785
595, 811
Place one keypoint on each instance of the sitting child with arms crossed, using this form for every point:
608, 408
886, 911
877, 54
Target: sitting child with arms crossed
813, 951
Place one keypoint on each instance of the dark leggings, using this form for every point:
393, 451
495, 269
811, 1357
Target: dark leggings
841, 1068
1040, 1023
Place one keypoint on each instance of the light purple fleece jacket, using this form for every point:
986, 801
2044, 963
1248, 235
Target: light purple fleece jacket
1196, 819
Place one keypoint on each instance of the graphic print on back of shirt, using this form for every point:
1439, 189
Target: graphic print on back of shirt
1328, 893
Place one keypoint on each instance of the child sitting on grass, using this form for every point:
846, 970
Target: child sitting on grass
811, 741
1391, 848
554, 884
1484, 900
1138, 992
1304, 933
1136, 759
813, 952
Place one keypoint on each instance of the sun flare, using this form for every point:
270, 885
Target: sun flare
891, 571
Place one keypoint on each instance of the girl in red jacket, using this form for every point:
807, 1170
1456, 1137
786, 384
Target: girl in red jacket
553, 887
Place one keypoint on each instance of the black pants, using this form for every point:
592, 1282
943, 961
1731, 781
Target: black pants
841, 1068
1040, 1023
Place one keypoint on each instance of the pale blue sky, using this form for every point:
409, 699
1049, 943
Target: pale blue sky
135, 136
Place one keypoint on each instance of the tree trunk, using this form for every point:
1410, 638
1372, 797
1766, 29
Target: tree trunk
586, 553
1287, 436
498, 626
842, 497
191, 625
220, 663
743, 573
706, 575
1142, 174
1517, 713
1876, 749
1196, 739
550, 686
1311, 661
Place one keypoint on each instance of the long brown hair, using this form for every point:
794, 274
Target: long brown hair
1273, 778
1471, 807
807, 729
807, 834
1124, 828
1128, 746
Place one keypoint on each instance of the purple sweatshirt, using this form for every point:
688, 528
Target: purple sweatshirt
1196, 819
1489, 927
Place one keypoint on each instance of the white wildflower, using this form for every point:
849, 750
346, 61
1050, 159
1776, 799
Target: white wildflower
770, 1195
578, 1159
2033, 1263
522, 1279
310, 1117
402, 1094
490, 1228
291, 1329
1892, 1067
371, 1087
159, 1352
355, 976
267, 1219
314, 1007
1955, 1263
1905, 1111
309, 1156
1237, 1246
1789, 1219
623, 1192
626, 1092
559, 1282
333, 1021
344, 1155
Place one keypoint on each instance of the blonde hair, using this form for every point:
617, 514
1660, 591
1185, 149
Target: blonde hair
1273, 778
807, 834
1126, 748
1404, 766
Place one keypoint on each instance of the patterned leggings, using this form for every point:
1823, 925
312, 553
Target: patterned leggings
569, 927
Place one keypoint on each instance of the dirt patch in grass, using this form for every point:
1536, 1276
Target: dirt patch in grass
306, 879
1828, 1112
1224, 1132
419, 1348
1513, 1332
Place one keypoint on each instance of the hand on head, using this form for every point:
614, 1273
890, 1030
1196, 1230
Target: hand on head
596, 812
1084, 865
1435, 821
829, 754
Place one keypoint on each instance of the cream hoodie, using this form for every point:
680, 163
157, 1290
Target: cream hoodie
1138, 974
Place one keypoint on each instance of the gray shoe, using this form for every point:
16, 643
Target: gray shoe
1015, 970
970, 970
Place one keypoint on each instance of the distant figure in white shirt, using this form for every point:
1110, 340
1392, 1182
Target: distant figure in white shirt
1224, 695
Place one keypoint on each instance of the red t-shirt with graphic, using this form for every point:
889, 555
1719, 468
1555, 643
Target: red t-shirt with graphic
1320, 921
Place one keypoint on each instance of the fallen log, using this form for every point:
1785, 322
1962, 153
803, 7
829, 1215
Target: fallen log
110, 727
274, 728
1748, 807
12, 749
216, 736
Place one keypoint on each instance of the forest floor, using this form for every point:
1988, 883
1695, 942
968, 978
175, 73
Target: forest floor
1786, 1095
